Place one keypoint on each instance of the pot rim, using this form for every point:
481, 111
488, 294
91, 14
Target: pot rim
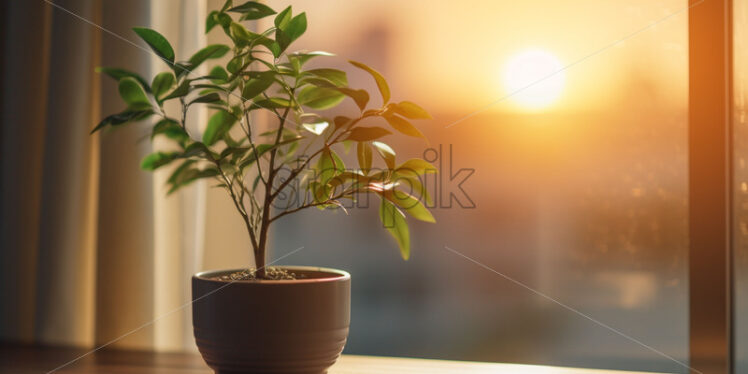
335, 275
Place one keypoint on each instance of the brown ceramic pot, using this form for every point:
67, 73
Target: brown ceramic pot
272, 326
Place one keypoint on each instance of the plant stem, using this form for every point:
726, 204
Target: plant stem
261, 249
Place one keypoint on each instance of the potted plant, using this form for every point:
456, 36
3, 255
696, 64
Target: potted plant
273, 319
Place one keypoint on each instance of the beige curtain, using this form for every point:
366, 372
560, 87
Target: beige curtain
49, 173
92, 249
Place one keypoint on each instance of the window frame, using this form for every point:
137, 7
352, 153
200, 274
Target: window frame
710, 182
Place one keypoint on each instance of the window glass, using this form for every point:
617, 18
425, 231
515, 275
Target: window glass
576, 189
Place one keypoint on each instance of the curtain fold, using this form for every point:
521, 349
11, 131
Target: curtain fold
24, 78
124, 297
64, 307
92, 249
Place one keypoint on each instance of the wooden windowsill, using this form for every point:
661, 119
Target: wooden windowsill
19, 359
348, 364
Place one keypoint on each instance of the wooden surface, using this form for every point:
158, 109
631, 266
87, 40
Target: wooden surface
371, 365
33, 360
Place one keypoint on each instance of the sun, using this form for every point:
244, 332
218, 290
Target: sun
524, 69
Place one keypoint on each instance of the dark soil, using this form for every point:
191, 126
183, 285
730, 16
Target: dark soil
271, 273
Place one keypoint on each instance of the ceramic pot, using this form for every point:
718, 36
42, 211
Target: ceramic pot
272, 326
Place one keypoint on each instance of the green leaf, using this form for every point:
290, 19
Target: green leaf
319, 82
364, 153
184, 175
273, 102
338, 162
236, 64
218, 75
410, 110
162, 83
212, 97
355, 178
319, 97
252, 10
384, 89
320, 192
365, 134
296, 27
303, 57
258, 85
171, 129
157, 159
224, 20
182, 68
118, 74
270, 44
387, 153
175, 175
240, 34
196, 149
283, 18
182, 90
122, 118
329, 165
210, 52
361, 97
410, 204
218, 124
293, 64
231, 143
157, 42
335, 76
403, 126
316, 128
133, 94
211, 21
282, 40
347, 144
288, 29
274, 48
341, 121
233, 150
417, 166
394, 221
414, 181
217, 18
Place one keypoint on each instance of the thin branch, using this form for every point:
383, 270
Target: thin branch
252, 144
295, 173
271, 167
309, 205
252, 199
239, 206
184, 113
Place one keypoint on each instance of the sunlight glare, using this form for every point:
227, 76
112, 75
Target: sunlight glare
526, 68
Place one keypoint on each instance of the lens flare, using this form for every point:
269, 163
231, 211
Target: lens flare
537, 75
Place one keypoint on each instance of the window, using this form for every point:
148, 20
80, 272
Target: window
580, 187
